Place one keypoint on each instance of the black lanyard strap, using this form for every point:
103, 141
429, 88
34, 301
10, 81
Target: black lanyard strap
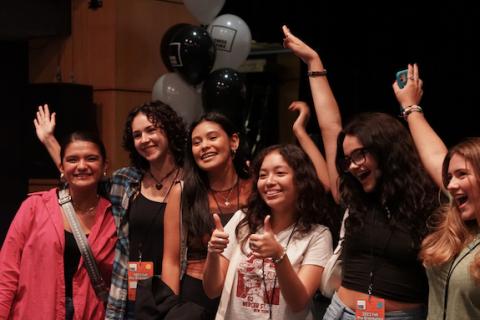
454, 264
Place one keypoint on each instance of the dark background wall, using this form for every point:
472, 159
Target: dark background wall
20, 21
363, 44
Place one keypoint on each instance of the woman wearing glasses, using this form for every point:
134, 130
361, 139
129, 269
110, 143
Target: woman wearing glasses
379, 178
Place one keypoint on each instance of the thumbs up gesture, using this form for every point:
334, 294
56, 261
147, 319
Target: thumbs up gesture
265, 245
219, 240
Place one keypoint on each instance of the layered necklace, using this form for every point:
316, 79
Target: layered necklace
226, 199
159, 182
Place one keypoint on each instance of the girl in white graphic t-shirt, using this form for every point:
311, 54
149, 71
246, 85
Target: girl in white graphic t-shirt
268, 262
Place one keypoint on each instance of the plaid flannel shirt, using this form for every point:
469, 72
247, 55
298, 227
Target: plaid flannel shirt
125, 183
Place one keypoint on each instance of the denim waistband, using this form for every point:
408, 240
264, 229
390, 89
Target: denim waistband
337, 310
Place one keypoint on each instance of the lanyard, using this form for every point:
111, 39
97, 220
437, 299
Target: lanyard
372, 256
270, 296
454, 264
152, 223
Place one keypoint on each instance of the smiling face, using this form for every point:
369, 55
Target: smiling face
276, 183
464, 187
82, 164
211, 146
150, 141
360, 163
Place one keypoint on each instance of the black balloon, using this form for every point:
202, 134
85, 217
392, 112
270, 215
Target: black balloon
167, 38
224, 91
191, 53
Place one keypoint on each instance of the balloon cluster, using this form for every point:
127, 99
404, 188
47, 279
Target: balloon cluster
202, 63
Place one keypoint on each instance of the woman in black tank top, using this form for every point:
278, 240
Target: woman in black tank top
374, 171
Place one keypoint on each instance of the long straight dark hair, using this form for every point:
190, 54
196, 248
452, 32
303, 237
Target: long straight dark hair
196, 211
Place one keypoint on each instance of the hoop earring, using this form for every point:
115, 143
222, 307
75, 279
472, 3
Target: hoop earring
233, 152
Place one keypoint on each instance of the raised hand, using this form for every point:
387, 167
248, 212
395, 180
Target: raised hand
265, 245
299, 48
412, 93
219, 240
44, 123
303, 115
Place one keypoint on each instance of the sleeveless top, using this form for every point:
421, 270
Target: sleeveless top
146, 231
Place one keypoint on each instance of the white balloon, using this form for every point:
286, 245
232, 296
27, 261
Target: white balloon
232, 39
204, 10
171, 89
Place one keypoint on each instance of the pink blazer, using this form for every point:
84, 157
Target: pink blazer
32, 283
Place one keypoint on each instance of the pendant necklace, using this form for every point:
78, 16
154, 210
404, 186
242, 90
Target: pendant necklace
227, 198
159, 182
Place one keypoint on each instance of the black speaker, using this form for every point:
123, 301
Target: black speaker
75, 110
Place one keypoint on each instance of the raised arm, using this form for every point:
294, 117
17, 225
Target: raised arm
171, 240
216, 265
430, 147
307, 143
326, 107
44, 127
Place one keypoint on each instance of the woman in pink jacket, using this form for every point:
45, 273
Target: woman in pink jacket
42, 273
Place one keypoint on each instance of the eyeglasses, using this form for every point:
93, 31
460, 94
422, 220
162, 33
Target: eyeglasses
357, 157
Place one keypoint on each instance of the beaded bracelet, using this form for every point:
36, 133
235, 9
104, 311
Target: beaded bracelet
413, 108
282, 256
321, 73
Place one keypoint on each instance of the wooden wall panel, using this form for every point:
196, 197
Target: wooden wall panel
116, 50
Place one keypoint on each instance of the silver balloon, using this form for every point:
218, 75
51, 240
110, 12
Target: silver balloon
171, 89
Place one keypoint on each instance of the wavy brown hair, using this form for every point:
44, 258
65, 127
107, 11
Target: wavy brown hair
312, 205
164, 117
403, 186
449, 233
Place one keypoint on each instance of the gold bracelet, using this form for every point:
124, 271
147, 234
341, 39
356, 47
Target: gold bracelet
321, 73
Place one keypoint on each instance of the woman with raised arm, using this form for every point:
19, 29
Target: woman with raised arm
268, 262
154, 136
216, 182
42, 272
375, 173
451, 252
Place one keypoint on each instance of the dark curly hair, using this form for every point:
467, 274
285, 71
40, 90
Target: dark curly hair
313, 206
195, 196
164, 117
403, 187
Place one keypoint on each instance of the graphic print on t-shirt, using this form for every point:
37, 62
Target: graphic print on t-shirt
250, 286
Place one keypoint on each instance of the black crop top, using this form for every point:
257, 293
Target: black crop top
391, 253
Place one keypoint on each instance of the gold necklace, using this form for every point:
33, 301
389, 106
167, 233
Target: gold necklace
90, 211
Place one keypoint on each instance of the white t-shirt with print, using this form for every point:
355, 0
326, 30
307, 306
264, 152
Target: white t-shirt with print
249, 289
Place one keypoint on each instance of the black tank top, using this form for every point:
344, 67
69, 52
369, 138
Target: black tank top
146, 231
71, 259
